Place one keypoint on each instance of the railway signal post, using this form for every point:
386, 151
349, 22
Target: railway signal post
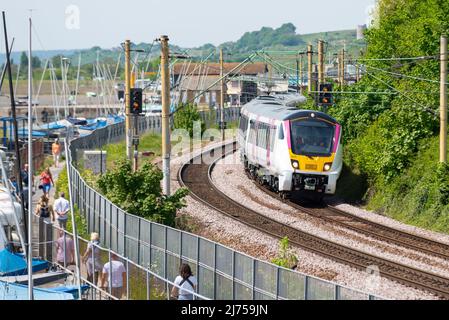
443, 99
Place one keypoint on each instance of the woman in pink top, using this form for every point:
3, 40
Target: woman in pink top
68, 249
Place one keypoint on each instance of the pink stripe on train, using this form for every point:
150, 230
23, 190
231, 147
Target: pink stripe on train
336, 137
287, 133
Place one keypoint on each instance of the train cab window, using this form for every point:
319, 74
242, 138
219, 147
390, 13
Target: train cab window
312, 137
262, 135
252, 132
281, 132
272, 136
243, 124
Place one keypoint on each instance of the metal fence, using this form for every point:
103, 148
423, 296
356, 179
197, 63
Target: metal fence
141, 283
222, 273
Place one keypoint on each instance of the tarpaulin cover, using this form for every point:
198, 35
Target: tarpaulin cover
12, 264
14, 291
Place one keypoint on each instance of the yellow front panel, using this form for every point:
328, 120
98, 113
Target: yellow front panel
312, 163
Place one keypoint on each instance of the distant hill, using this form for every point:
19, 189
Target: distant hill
41, 54
282, 38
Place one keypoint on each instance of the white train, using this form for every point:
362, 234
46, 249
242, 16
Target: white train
291, 150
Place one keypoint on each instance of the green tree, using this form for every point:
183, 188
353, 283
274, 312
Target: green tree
36, 62
185, 117
23, 61
140, 192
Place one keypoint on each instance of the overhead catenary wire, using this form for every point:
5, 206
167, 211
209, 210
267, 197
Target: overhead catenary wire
425, 108
403, 75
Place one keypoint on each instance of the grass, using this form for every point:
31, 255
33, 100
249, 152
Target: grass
148, 142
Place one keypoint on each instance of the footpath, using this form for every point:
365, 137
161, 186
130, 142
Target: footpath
36, 196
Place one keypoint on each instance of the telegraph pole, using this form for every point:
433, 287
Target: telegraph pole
128, 122
300, 73
297, 75
320, 62
222, 88
443, 99
309, 67
165, 79
342, 68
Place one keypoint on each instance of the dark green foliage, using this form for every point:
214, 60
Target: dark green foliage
382, 131
391, 139
140, 192
442, 175
185, 117
419, 195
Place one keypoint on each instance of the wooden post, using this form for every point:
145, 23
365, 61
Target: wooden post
128, 122
309, 67
165, 79
443, 99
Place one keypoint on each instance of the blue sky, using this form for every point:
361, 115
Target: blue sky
73, 24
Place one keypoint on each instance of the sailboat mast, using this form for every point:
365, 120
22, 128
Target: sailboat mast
75, 105
15, 125
30, 168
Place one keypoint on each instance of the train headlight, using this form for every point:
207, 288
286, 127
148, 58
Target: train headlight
327, 166
295, 164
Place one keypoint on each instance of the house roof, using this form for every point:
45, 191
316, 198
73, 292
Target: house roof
214, 68
200, 83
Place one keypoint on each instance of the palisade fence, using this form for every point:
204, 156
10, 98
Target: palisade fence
222, 273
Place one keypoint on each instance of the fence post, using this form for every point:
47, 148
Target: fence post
306, 287
233, 275
124, 234
165, 259
254, 280
278, 274
127, 279
337, 292
138, 242
215, 270
110, 226
148, 286
198, 261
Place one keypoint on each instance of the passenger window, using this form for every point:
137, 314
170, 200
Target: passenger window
281, 132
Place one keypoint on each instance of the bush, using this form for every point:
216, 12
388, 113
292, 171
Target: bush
140, 192
285, 257
185, 117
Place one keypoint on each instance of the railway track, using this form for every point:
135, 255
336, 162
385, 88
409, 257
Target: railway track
367, 227
197, 178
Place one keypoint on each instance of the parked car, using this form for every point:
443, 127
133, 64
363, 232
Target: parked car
23, 101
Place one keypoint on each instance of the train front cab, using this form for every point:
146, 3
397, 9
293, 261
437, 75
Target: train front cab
315, 155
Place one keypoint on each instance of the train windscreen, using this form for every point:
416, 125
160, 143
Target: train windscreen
311, 137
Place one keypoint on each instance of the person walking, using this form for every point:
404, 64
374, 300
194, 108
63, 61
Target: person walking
186, 281
114, 276
92, 258
62, 207
65, 249
46, 181
44, 210
56, 151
